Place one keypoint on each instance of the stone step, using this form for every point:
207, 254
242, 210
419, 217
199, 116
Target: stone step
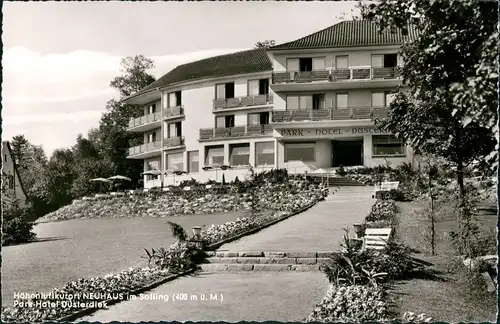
268, 260
220, 267
270, 254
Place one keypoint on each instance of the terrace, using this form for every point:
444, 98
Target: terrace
235, 132
328, 114
242, 102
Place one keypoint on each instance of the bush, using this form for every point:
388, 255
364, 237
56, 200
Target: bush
383, 210
15, 226
341, 171
351, 304
393, 194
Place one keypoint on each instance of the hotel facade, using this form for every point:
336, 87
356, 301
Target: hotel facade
306, 106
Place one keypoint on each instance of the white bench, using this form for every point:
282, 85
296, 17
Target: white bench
387, 186
376, 238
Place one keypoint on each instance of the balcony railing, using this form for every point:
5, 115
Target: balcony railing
173, 142
328, 114
335, 75
144, 148
238, 131
173, 112
257, 100
143, 120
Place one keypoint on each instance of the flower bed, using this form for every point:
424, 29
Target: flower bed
94, 290
287, 197
382, 210
351, 304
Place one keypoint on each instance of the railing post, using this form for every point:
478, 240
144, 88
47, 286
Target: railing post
310, 114
331, 113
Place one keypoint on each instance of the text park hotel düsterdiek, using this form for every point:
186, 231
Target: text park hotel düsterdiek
302, 105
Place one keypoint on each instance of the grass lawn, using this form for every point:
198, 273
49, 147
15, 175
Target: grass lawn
450, 294
72, 249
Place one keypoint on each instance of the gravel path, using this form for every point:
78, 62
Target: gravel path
245, 297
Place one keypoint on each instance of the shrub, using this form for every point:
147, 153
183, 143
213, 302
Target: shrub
382, 210
15, 227
341, 171
351, 304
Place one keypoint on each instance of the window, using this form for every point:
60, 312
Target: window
342, 100
390, 60
382, 99
319, 63
178, 99
318, 101
292, 65
378, 99
264, 153
193, 161
305, 152
224, 121
152, 109
258, 87
315, 101
224, 90
214, 155
175, 162
174, 130
305, 64
384, 60
152, 137
258, 118
174, 99
342, 62
239, 154
292, 102
389, 97
5, 157
388, 145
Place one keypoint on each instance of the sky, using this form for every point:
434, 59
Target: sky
59, 57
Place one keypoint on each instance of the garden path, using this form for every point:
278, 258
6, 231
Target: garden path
317, 229
256, 296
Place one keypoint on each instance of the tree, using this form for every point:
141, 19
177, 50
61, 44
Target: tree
452, 73
265, 44
134, 76
32, 166
61, 176
113, 139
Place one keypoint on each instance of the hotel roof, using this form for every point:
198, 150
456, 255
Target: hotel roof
250, 61
349, 34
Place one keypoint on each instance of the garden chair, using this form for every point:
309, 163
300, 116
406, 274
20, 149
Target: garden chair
376, 238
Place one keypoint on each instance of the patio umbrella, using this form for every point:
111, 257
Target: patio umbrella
119, 177
100, 180
151, 172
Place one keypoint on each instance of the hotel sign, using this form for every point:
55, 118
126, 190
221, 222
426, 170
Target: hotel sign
305, 132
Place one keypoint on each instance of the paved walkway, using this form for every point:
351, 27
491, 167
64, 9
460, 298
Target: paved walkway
285, 297
318, 229
256, 296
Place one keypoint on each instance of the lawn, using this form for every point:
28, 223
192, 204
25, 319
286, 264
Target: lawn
449, 295
78, 248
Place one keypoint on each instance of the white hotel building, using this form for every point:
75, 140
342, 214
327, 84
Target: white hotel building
306, 105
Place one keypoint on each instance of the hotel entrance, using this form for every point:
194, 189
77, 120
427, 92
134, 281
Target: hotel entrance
347, 152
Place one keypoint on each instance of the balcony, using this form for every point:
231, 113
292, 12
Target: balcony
329, 114
173, 142
333, 76
145, 150
235, 132
173, 112
241, 102
144, 123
